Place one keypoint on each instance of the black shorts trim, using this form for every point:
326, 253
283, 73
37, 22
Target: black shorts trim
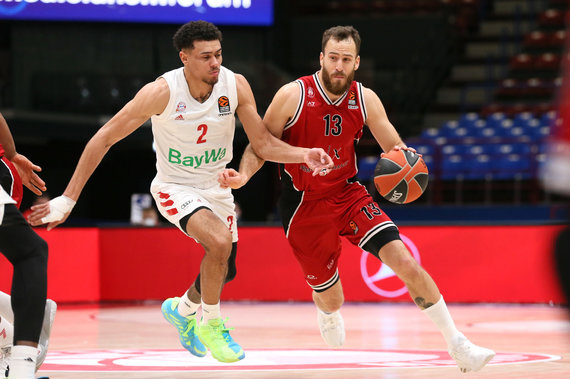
184, 220
328, 284
381, 238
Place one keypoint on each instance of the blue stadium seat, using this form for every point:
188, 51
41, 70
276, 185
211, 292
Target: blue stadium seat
468, 120
513, 166
428, 159
516, 132
431, 133
504, 127
541, 132
480, 167
487, 132
448, 128
424, 149
548, 118
479, 149
458, 133
540, 160
522, 119
511, 148
453, 167
494, 119
453, 149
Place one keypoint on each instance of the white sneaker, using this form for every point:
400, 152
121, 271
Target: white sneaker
49, 317
4, 356
332, 328
469, 357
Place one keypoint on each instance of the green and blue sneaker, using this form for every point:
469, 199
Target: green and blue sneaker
186, 326
217, 338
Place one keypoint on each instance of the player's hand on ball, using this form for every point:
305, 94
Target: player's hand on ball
318, 161
405, 148
53, 212
231, 178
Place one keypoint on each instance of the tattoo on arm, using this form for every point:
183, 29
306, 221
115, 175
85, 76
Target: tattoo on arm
421, 302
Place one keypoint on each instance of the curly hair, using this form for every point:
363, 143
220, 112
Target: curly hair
195, 31
341, 33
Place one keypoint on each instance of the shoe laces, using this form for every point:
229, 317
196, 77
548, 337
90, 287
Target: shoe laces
329, 321
223, 331
463, 350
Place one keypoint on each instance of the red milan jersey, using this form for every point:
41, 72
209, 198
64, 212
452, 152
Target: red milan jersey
335, 126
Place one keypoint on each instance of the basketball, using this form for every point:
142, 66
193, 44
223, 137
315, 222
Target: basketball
401, 176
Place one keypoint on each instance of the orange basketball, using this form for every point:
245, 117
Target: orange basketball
401, 176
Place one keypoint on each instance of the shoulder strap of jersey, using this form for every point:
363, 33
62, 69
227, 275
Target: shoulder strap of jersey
361, 101
299, 105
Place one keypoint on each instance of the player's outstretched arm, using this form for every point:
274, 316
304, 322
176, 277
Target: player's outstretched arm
268, 146
250, 163
26, 169
151, 99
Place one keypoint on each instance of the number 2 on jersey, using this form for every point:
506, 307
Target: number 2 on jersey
204, 129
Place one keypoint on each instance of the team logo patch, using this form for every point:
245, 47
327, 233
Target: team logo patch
181, 107
351, 98
164, 360
353, 226
310, 92
223, 104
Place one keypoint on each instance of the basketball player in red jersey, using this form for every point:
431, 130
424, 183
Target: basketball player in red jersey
328, 109
26, 317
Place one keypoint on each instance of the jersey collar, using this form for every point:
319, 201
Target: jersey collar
323, 93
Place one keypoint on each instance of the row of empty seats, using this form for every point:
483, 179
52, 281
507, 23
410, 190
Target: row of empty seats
545, 65
494, 125
464, 149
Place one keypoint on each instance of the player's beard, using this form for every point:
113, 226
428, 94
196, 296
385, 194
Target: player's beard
211, 81
336, 88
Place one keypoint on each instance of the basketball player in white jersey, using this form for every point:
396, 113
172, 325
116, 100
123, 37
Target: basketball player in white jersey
192, 112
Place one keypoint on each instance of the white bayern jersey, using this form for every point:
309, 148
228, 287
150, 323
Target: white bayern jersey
5, 198
194, 140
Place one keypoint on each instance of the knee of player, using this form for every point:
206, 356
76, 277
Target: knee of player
220, 245
407, 267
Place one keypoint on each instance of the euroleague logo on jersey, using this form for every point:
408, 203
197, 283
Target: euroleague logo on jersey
352, 100
223, 105
380, 278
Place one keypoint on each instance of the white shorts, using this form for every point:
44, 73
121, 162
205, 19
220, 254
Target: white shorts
174, 201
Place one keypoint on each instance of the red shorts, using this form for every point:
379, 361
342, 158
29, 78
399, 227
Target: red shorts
314, 227
10, 180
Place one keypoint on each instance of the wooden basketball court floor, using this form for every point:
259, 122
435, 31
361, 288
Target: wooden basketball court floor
281, 340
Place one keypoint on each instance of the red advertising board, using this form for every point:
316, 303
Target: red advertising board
506, 264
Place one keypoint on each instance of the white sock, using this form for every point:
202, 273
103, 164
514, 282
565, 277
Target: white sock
6, 307
23, 362
210, 312
439, 314
6, 332
324, 312
187, 307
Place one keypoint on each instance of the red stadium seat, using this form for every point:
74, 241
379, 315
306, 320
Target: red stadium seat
508, 88
551, 19
548, 62
536, 39
558, 39
522, 62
